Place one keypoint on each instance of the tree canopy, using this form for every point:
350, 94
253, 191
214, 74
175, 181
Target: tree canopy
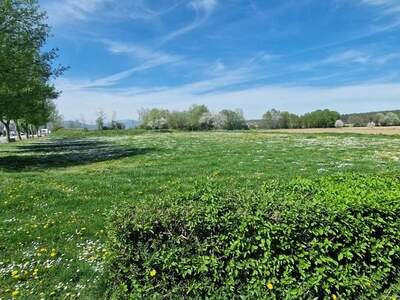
26, 92
275, 119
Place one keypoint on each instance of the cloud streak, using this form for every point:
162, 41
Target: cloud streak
70, 11
389, 6
203, 9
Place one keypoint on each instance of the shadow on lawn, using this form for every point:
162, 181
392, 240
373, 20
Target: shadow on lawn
64, 153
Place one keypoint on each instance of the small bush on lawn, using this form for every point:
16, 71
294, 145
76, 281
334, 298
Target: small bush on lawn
335, 237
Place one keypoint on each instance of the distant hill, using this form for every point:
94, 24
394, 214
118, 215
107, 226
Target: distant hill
79, 125
69, 124
129, 123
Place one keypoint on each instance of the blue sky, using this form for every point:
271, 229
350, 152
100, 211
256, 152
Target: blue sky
296, 55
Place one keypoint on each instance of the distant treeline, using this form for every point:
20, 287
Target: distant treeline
384, 118
275, 119
197, 117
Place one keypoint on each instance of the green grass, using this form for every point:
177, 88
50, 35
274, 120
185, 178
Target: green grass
56, 193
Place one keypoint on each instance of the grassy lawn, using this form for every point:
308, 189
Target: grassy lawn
56, 193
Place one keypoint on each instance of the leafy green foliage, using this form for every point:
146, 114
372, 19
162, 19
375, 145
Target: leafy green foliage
198, 117
275, 119
384, 118
57, 192
337, 236
26, 91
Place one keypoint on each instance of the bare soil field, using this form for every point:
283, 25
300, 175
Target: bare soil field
394, 130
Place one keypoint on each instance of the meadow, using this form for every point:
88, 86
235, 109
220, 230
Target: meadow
57, 193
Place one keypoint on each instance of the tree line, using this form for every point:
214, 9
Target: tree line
197, 117
388, 118
26, 70
275, 119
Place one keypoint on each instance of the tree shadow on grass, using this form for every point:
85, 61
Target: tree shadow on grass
64, 153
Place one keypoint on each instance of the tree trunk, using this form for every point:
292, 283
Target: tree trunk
17, 127
7, 126
27, 133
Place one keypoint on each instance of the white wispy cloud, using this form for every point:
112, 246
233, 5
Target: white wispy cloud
202, 9
73, 10
139, 51
388, 6
108, 81
204, 5
359, 57
345, 59
349, 56
70, 11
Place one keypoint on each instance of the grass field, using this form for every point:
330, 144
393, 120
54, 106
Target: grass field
393, 130
56, 193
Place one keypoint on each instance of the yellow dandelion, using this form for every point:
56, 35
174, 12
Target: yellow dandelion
15, 294
270, 286
15, 274
153, 273
53, 253
334, 297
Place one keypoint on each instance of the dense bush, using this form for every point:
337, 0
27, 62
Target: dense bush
335, 237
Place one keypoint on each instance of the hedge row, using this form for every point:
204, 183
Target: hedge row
336, 237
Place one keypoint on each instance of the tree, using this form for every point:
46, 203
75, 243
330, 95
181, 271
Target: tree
56, 121
101, 117
37, 107
178, 120
154, 118
271, 119
357, 121
320, 119
220, 121
339, 124
114, 120
194, 114
379, 118
25, 71
234, 119
391, 119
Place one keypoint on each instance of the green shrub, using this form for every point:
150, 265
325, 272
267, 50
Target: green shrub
335, 237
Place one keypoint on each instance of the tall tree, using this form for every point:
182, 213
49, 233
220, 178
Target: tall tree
25, 70
101, 117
